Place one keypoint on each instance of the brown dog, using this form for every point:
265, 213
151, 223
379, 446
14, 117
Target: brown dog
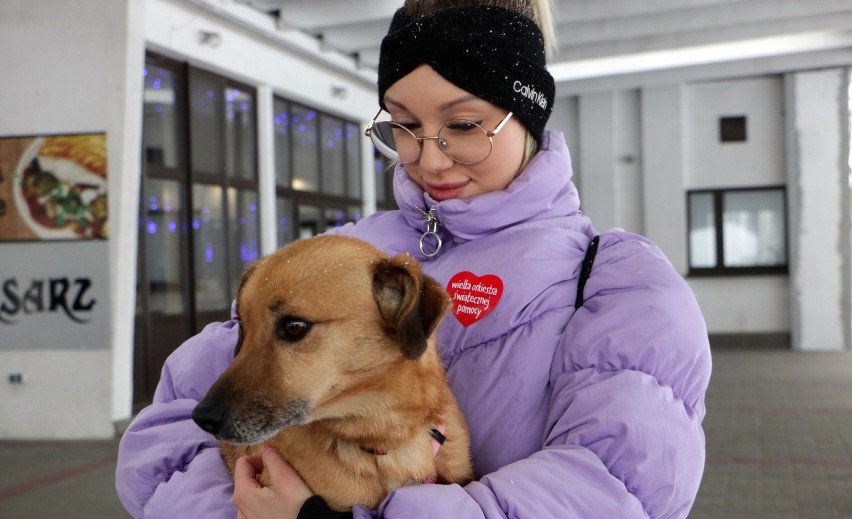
336, 369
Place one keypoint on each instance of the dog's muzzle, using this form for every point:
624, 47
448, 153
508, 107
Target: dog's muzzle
254, 423
210, 416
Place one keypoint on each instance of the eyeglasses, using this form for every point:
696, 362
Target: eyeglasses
466, 142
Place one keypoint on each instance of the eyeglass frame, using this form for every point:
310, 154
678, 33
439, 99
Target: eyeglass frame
368, 132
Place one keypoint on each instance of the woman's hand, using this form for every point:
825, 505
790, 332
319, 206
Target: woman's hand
282, 499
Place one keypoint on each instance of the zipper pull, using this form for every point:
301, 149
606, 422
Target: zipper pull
431, 230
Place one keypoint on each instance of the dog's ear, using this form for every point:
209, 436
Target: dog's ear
244, 278
411, 303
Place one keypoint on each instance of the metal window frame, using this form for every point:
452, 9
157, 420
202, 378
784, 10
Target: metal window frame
718, 212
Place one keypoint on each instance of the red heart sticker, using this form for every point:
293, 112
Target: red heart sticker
473, 296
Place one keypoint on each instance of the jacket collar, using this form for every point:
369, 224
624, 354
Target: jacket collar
543, 189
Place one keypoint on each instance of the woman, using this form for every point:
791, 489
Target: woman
584, 399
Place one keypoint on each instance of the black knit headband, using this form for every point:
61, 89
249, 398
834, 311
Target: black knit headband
494, 53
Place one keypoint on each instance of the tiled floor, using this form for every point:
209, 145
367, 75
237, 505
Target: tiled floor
67, 480
779, 437
779, 445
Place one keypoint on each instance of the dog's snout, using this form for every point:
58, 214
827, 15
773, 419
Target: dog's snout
209, 415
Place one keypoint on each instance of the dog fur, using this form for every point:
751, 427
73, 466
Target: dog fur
335, 359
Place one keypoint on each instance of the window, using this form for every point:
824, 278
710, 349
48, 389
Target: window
163, 287
737, 231
161, 118
317, 171
165, 248
164, 291
199, 220
225, 222
211, 266
304, 148
732, 129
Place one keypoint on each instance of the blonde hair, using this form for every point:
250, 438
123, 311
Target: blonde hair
539, 11
530, 148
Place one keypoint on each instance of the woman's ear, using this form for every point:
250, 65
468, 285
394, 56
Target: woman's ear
411, 303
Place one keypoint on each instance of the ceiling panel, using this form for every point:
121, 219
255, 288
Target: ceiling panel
592, 30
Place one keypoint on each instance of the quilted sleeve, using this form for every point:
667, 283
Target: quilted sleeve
167, 466
630, 379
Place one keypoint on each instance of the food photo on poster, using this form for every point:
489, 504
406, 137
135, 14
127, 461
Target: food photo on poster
53, 187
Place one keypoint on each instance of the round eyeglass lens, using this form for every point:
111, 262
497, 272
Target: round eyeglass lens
464, 141
383, 138
406, 144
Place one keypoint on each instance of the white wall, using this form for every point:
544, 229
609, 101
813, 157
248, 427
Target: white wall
566, 119
819, 199
610, 159
740, 304
744, 304
797, 136
69, 74
640, 153
663, 175
760, 160
597, 144
66, 395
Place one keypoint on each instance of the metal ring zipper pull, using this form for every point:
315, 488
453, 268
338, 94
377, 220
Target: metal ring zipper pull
431, 230
423, 244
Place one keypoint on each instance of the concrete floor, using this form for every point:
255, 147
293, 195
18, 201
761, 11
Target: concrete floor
779, 437
779, 445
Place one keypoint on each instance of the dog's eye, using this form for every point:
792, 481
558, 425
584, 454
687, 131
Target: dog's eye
292, 329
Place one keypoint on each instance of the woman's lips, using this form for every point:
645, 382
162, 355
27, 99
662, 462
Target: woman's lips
445, 191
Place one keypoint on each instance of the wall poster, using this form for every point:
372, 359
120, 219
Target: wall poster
54, 252
53, 187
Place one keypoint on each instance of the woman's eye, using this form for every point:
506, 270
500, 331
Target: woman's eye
409, 126
292, 329
462, 126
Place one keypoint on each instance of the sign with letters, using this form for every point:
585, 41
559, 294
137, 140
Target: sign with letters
54, 252
54, 296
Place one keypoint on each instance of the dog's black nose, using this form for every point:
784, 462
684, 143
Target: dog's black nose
209, 415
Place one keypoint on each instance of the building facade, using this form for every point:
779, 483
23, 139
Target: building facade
225, 137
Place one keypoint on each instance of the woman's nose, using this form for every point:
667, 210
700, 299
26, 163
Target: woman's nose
432, 158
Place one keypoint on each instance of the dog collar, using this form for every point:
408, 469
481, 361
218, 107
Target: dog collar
438, 439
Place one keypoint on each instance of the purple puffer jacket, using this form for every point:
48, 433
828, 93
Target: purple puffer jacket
594, 413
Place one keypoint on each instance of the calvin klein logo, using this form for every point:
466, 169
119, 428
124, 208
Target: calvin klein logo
531, 93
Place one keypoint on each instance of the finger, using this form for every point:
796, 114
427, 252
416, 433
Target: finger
246, 470
256, 462
282, 475
279, 470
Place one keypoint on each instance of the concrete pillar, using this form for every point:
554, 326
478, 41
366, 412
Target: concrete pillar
611, 186
663, 177
818, 197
